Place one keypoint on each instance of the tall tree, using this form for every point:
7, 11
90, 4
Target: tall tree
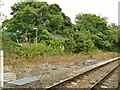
103, 35
40, 15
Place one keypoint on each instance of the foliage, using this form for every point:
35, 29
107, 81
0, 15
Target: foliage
38, 20
33, 50
7, 43
102, 35
83, 42
40, 15
69, 45
118, 40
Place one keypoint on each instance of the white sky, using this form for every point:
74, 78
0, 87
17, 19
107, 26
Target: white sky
105, 8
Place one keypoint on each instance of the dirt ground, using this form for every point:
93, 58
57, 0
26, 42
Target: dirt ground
53, 69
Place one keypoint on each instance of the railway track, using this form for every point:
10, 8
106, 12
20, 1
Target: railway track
97, 85
90, 79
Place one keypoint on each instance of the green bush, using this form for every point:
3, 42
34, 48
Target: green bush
31, 50
54, 50
83, 42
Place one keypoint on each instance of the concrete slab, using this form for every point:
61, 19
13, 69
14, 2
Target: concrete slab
24, 80
6, 74
9, 76
90, 61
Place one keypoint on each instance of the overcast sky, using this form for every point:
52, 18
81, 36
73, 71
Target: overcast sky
105, 8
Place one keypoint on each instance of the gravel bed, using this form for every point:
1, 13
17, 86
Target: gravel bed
50, 74
111, 81
90, 78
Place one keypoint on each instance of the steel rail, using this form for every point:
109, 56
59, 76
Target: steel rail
93, 87
71, 78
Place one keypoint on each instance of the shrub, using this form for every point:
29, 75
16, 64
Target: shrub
31, 50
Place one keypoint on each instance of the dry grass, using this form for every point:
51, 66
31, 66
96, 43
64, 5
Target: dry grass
60, 59
105, 56
13, 60
21, 66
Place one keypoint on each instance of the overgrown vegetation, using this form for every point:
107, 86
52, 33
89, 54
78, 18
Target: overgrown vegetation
33, 22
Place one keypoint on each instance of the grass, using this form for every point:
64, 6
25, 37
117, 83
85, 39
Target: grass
13, 61
25, 67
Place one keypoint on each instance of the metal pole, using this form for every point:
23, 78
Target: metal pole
1, 68
36, 36
1, 52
